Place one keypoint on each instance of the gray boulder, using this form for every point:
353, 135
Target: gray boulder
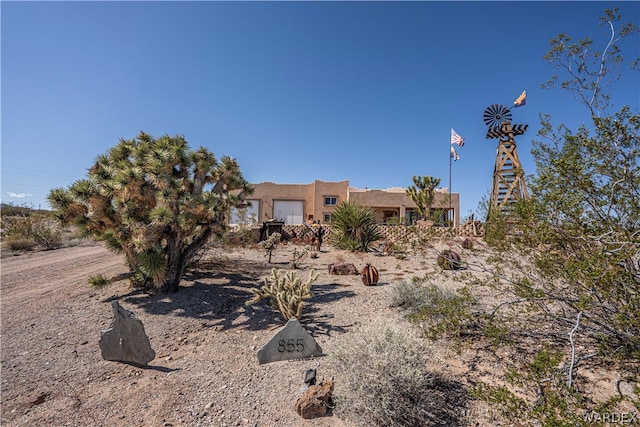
125, 341
292, 342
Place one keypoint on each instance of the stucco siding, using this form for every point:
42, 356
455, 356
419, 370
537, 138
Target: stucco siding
386, 203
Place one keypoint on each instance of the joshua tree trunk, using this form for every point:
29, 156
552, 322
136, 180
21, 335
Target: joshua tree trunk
179, 258
175, 271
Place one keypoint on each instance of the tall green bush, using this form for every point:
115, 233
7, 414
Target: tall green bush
353, 227
583, 212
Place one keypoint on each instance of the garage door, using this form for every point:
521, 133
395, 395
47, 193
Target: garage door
248, 215
289, 211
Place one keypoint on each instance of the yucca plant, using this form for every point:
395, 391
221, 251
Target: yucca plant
353, 227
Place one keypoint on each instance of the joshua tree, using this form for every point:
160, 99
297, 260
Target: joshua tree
156, 201
422, 193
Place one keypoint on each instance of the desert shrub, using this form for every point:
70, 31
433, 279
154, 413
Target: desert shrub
25, 232
382, 379
444, 312
242, 235
16, 226
46, 233
98, 281
286, 292
547, 399
440, 312
408, 296
20, 244
579, 228
581, 224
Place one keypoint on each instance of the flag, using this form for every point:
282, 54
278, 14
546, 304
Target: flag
456, 139
521, 100
454, 155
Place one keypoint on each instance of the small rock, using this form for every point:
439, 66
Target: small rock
625, 388
310, 377
315, 401
343, 269
39, 399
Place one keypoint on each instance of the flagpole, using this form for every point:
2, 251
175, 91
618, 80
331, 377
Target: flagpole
450, 145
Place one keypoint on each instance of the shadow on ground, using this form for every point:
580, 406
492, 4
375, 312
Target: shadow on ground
217, 293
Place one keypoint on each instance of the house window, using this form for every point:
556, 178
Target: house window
326, 217
412, 216
330, 200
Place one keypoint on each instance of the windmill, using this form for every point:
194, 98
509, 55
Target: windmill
508, 176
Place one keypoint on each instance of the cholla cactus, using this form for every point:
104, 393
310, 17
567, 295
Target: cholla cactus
297, 256
286, 293
270, 244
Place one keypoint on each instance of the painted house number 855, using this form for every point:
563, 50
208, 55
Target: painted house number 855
291, 345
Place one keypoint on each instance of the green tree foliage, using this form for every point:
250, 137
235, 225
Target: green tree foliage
353, 227
589, 69
584, 211
422, 193
584, 214
156, 201
581, 227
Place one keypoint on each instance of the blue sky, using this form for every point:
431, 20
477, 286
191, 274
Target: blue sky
295, 91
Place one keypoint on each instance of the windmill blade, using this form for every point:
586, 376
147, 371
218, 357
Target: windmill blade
495, 114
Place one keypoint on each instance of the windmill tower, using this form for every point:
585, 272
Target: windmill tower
508, 176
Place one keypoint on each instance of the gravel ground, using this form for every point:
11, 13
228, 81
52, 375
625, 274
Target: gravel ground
205, 338
206, 371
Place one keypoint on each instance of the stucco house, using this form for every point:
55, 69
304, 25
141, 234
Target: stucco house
295, 203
